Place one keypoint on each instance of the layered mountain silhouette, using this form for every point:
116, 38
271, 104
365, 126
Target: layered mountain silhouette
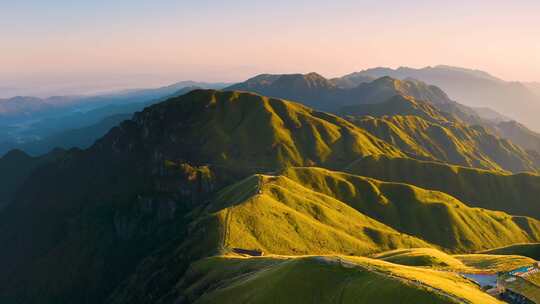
441, 129
420, 129
79, 130
316, 91
157, 210
35, 124
471, 87
519, 134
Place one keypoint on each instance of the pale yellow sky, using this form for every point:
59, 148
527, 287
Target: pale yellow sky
209, 40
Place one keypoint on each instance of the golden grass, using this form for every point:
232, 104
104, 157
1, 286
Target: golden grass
332, 279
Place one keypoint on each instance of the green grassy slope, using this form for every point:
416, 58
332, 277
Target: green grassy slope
283, 217
468, 263
400, 105
515, 194
111, 205
331, 280
247, 130
317, 211
428, 257
419, 128
493, 262
434, 216
472, 146
528, 250
120, 222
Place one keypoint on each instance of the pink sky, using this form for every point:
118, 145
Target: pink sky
215, 41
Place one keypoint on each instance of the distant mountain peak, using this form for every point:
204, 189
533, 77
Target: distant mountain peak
474, 88
474, 72
16, 155
403, 72
311, 80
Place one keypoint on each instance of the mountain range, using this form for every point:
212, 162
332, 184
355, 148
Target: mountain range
38, 125
135, 217
519, 101
446, 128
280, 189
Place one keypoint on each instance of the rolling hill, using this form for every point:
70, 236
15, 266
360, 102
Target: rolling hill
528, 250
515, 194
316, 211
198, 175
421, 130
464, 263
461, 141
134, 187
332, 280
422, 213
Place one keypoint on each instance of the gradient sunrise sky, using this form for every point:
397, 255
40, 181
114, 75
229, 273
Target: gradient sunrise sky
45, 42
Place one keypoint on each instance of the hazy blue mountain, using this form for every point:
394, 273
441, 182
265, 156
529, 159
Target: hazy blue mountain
73, 138
144, 94
22, 107
39, 130
351, 82
19, 107
473, 88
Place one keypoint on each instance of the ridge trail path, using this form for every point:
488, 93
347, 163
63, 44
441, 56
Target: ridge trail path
227, 220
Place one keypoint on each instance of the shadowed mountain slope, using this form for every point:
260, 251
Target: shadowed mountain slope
15, 167
121, 221
109, 206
